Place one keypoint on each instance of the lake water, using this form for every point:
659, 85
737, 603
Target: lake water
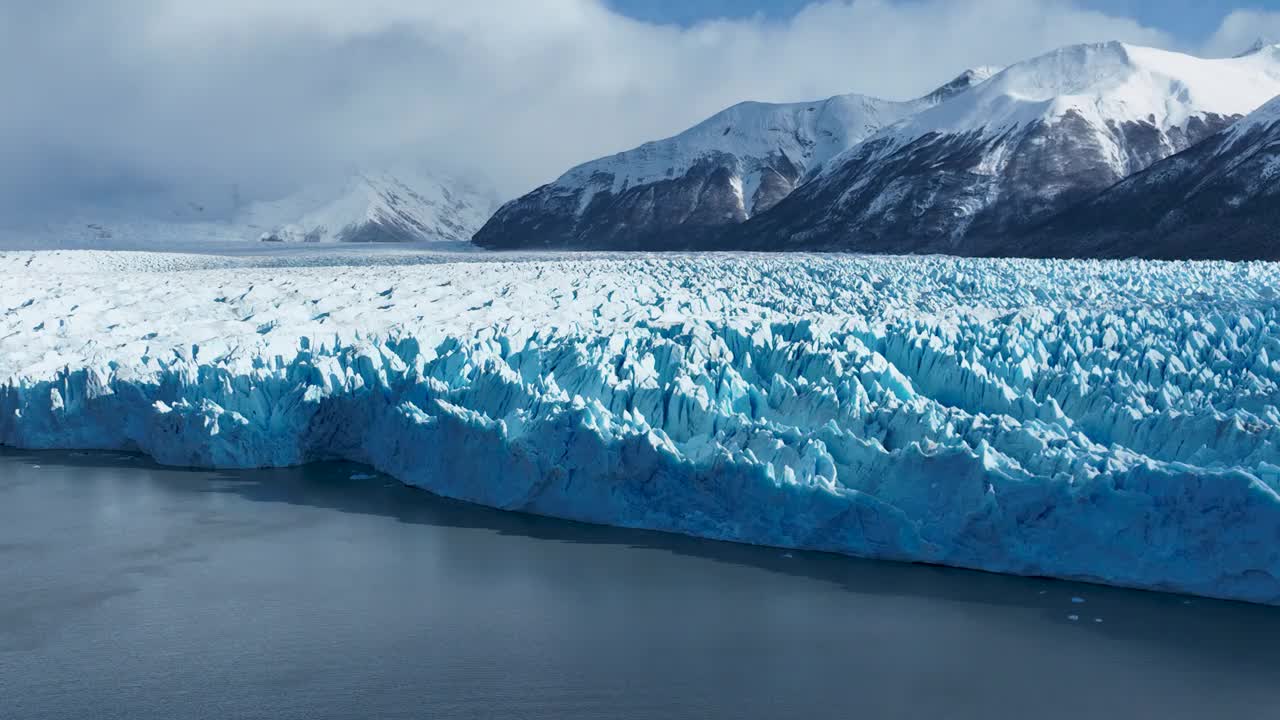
133, 591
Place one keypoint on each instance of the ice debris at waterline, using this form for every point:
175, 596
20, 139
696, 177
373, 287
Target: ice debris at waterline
1110, 421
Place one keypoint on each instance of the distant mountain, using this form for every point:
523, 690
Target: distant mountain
375, 207
405, 205
1262, 43
1042, 136
1219, 199
733, 166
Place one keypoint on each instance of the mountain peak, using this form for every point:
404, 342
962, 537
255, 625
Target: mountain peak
404, 204
1006, 155
1105, 83
962, 82
1262, 43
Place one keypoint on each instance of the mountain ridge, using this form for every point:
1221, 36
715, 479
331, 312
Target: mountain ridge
1218, 199
983, 160
722, 171
1034, 140
400, 204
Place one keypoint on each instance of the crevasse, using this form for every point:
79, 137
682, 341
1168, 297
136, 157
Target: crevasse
1114, 422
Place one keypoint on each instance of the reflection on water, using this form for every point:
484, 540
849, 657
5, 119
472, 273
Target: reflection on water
133, 591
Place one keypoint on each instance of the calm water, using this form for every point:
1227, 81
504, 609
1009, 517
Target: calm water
131, 591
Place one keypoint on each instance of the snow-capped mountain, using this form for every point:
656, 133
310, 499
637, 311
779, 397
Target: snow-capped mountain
1035, 139
375, 207
404, 205
1219, 199
732, 166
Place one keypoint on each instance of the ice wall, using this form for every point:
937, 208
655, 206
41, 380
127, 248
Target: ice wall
1115, 422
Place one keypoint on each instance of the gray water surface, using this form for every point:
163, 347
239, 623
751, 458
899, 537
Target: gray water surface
133, 591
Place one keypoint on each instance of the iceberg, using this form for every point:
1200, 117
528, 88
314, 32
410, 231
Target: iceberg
1115, 422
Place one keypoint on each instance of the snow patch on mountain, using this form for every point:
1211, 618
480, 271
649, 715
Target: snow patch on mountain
1105, 84
751, 133
807, 134
973, 174
1108, 421
969, 78
1218, 199
1263, 118
1255, 141
684, 191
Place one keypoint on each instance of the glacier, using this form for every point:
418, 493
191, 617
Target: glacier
1108, 421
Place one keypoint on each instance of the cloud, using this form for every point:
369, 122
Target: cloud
145, 96
1240, 29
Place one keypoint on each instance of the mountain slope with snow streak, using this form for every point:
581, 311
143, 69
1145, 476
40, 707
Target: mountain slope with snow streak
1035, 139
1219, 199
732, 166
1108, 421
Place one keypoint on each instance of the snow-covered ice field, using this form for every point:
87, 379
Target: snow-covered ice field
1108, 421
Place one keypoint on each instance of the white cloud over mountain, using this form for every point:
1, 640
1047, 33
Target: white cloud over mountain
142, 96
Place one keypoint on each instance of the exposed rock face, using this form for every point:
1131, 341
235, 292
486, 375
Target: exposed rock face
1219, 199
976, 168
664, 214
682, 191
964, 193
974, 175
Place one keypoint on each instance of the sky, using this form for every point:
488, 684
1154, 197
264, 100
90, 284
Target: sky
160, 101
1190, 22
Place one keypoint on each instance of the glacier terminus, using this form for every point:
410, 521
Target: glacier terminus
1110, 421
